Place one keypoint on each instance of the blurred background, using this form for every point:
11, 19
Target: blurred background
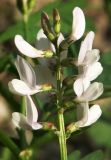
95, 140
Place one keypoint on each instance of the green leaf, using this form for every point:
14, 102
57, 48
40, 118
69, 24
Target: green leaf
101, 133
74, 155
98, 155
9, 143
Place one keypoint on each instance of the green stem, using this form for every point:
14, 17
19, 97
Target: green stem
62, 134
25, 19
9, 143
22, 132
62, 137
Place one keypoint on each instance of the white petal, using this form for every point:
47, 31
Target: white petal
36, 126
80, 85
21, 88
43, 43
94, 114
31, 110
93, 71
26, 72
26, 49
86, 45
60, 39
91, 57
82, 114
92, 92
20, 121
78, 25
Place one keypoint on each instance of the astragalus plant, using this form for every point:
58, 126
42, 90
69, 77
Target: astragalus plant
48, 78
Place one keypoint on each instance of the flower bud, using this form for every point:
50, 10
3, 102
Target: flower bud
47, 27
56, 21
66, 43
30, 4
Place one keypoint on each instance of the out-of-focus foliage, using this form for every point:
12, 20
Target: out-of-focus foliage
34, 20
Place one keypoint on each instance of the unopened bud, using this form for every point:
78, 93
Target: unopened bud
31, 4
66, 43
47, 26
56, 21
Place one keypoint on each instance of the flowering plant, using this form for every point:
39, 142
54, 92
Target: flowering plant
49, 82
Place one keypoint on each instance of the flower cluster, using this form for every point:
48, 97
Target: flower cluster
48, 41
89, 69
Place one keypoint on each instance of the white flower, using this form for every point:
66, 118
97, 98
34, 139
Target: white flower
44, 47
91, 93
78, 24
26, 49
87, 116
29, 121
27, 84
88, 58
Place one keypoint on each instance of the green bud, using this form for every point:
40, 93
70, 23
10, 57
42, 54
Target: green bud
56, 21
47, 26
51, 36
48, 54
66, 43
31, 4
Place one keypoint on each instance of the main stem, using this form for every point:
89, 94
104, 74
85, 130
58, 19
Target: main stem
25, 19
62, 134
